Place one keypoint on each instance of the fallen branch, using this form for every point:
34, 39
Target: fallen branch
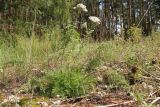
75, 100
151, 94
119, 104
154, 101
151, 78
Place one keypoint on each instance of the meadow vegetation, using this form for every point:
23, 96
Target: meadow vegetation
73, 52
65, 65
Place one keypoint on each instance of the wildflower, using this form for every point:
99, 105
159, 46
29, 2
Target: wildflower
95, 20
81, 7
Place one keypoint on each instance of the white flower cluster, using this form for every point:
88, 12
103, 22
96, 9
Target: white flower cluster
95, 20
81, 7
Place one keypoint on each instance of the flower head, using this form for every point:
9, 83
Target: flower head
95, 20
81, 7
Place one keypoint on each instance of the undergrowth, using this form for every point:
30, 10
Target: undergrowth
41, 62
71, 82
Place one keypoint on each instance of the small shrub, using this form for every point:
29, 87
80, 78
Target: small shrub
69, 83
115, 79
